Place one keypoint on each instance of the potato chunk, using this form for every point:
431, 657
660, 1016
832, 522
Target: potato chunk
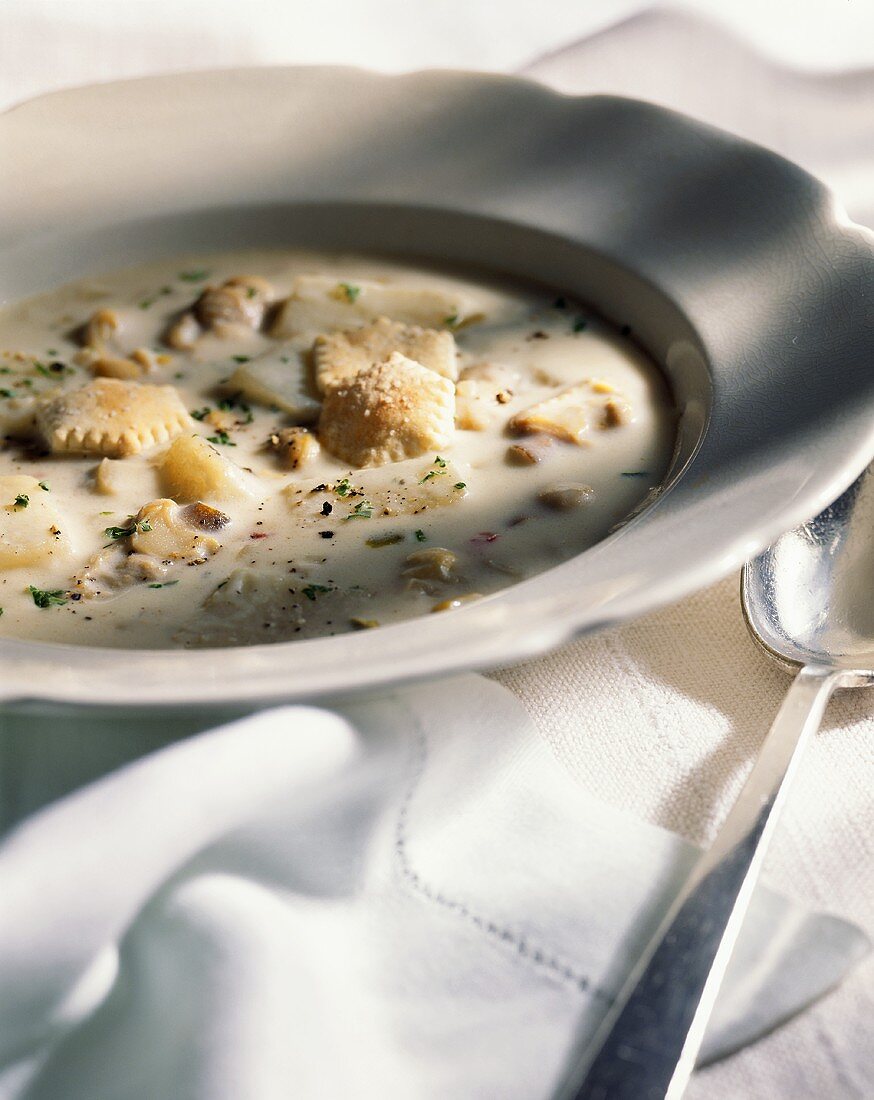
110, 417
341, 355
388, 412
31, 526
319, 303
192, 469
279, 380
573, 413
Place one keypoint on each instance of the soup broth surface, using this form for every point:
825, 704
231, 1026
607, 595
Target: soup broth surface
260, 446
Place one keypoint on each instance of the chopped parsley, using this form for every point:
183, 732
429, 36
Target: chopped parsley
221, 437
312, 590
241, 358
6, 393
349, 291
50, 371
421, 536
451, 321
165, 584
44, 485
229, 404
580, 324
635, 473
21, 501
147, 303
385, 540
116, 533
343, 487
362, 510
440, 464
196, 276
460, 485
251, 291
201, 414
43, 598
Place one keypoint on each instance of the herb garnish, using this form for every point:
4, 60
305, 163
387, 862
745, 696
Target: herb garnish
201, 414
312, 590
241, 358
44, 485
580, 324
221, 437
451, 321
460, 485
635, 473
421, 536
6, 393
349, 291
166, 584
362, 510
43, 598
440, 463
343, 487
385, 540
196, 276
116, 533
21, 501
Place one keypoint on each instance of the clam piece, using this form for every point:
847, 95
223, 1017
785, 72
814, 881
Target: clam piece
565, 498
436, 564
294, 446
99, 329
573, 412
238, 304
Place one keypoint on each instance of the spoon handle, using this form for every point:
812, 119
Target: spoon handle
646, 1047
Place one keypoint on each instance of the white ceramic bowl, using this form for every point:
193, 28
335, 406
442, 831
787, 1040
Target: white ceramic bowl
734, 268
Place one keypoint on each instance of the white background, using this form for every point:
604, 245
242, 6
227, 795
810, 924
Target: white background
87, 40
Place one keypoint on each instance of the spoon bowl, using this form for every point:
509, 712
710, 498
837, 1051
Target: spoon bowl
809, 598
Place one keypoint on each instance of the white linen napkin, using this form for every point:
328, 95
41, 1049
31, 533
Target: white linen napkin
410, 901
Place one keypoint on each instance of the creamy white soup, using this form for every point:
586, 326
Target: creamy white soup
268, 445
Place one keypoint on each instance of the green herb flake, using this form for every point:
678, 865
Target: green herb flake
451, 321
165, 584
385, 540
349, 291
635, 473
311, 591
421, 536
343, 487
21, 501
6, 393
362, 510
195, 276
51, 351
580, 324
241, 358
460, 485
43, 598
116, 533
221, 437
44, 485
560, 303
201, 414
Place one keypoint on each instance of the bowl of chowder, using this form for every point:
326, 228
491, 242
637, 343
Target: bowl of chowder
418, 373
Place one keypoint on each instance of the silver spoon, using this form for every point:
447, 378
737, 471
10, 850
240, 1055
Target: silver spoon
809, 603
